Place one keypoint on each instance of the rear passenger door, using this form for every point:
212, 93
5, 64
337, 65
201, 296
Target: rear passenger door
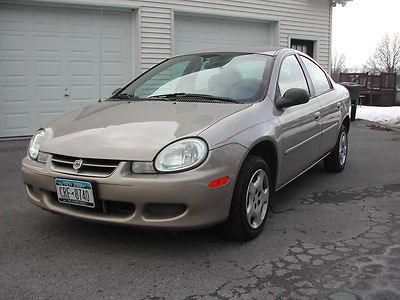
300, 127
330, 105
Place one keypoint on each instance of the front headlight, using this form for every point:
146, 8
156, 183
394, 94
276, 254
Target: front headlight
34, 145
181, 155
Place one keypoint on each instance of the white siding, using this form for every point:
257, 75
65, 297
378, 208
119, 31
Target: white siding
297, 18
308, 18
156, 23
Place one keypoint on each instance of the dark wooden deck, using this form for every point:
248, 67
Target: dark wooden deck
377, 89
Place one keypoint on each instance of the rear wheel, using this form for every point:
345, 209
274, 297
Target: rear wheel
336, 161
250, 200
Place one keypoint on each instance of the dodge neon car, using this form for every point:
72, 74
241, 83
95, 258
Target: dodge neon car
198, 140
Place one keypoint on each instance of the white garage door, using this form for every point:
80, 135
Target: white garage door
194, 33
50, 61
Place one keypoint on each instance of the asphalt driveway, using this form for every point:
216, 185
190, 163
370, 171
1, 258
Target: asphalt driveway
327, 236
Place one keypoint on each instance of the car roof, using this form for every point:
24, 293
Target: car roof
273, 51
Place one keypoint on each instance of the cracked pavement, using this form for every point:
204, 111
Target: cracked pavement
328, 236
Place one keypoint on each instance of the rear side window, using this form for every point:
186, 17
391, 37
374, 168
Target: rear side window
291, 75
318, 77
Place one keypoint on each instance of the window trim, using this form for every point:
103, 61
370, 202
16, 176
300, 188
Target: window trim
314, 94
277, 88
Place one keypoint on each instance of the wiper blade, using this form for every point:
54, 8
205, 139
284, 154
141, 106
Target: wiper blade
175, 96
123, 96
166, 97
172, 95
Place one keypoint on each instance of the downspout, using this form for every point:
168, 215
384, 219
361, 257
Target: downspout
330, 39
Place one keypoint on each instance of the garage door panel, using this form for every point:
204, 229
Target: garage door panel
16, 121
114, 69
83, 92
50, 61
187, 46
48, 116
107, 89
47, 69
79, 20
14, 93
17, 118
113, 46
11, 17
116, 48
49, 19
82, 69
194, 33
13, 69
47, 43
12, 43
49, 94
82, 81
82, 45
116, 23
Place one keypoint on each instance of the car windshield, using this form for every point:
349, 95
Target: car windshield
235, 77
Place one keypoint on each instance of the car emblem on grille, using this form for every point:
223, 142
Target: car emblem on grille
77, 164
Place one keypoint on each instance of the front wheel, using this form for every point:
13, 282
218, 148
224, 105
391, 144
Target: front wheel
336, 160
250, 200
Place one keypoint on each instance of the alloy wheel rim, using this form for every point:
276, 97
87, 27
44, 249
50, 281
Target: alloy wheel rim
257, 198
343, 147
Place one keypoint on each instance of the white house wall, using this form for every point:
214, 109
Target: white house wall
297, 18
42, 78
308, 19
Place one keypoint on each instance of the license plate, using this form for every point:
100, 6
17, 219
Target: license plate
75, 192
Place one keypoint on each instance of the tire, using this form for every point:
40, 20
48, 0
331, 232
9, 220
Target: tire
336, 160
247, 215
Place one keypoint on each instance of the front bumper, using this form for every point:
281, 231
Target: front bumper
179, 200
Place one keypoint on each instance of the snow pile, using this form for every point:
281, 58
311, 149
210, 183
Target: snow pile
385, 115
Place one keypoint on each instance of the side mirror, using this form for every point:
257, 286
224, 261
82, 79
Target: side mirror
116, 91
293, 97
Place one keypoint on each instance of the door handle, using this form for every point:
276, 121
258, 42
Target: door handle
317, 115
338, 105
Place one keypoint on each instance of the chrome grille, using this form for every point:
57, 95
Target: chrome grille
90, 167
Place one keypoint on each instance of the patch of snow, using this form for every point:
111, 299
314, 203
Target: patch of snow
384, 115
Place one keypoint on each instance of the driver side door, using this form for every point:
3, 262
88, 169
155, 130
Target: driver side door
300, 124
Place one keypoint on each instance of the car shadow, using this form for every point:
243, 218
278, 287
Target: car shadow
136, 238
313, 179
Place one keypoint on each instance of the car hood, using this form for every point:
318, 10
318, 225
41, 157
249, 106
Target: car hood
130, 130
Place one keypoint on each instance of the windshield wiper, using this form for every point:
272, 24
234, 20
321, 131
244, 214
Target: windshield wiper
176, 96
123, 96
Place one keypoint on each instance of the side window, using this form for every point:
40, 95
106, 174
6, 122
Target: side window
318, 77
291, 75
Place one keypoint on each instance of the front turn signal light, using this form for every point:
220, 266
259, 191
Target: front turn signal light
218, 182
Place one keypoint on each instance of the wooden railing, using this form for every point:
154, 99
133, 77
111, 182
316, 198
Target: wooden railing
384, 81
377, 89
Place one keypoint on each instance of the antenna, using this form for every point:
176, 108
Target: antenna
101, 39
